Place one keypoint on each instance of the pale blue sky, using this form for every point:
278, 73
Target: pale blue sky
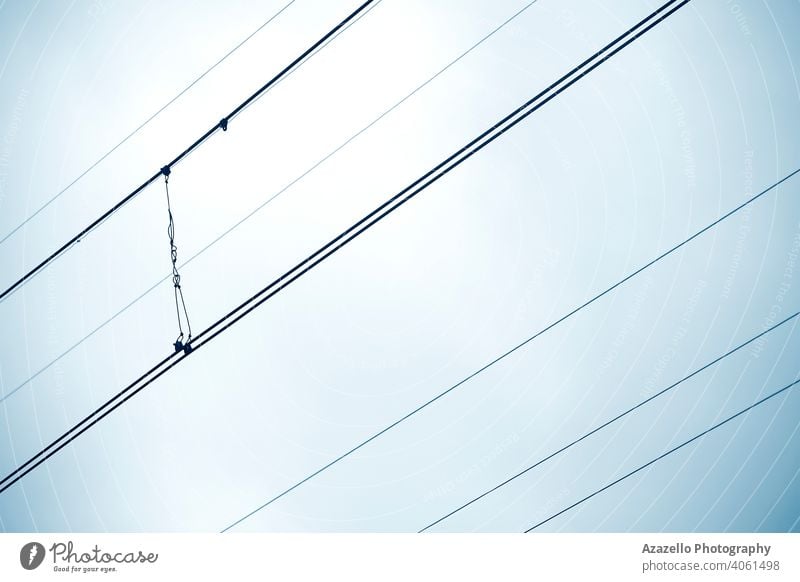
682, 126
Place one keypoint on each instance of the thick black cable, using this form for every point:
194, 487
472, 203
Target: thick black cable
348, 235
666, 454
609, 422
28, 465
222, 124
146, 122
271, 198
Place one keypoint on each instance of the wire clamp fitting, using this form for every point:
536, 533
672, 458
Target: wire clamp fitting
186, 348
166, 171
223, 124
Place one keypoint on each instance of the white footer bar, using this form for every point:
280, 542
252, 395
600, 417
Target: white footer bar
389, 557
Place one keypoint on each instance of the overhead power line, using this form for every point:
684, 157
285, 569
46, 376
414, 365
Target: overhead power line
517, 347
666, 454
146, 122
608, 423
221, 125
385, 209
263, 204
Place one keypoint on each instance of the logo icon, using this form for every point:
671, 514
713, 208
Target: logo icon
31, 555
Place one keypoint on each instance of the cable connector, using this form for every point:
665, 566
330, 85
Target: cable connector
223, 124
166, 171
186, 348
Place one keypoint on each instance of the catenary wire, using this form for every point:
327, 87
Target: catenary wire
146, 122
338, 242
665, 454
611, 421
221, 125
269, 200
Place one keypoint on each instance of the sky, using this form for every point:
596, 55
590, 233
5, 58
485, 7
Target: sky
684, 125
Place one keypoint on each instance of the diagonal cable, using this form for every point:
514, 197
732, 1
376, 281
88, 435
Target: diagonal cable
666, 454
610, 422
146, 122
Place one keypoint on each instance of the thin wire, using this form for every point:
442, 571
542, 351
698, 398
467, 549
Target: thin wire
254, 99
338, 243
222, 124
146, 122
663, 455
268, 200
610, 422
